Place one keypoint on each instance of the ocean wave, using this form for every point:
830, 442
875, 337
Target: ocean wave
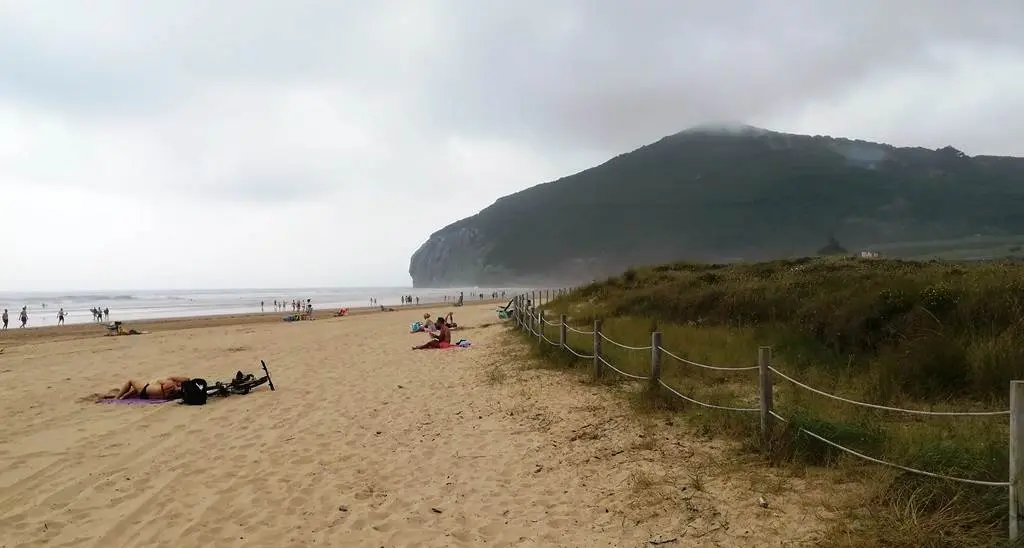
63, 298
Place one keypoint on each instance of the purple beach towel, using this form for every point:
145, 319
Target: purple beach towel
132, 401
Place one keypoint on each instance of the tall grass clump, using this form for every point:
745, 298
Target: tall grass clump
924, 335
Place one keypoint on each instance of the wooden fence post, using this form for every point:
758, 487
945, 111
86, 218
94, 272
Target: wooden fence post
764, 361
561, 331
1016, 457
518, 310
522, 311
597, 349
540, 326
655, 359
515, 310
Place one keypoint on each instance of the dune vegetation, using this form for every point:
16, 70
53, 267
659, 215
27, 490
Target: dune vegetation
933, 336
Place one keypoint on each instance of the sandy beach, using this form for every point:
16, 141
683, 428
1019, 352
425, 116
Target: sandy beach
364, 443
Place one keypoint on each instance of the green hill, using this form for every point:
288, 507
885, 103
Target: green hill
710, 194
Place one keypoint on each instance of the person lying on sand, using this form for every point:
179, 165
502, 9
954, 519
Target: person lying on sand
158, 389
441, 339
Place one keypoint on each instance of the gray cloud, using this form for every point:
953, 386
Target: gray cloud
380, 110
614, 74
600, 73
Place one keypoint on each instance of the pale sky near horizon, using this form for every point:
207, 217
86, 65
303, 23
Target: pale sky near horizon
262, 143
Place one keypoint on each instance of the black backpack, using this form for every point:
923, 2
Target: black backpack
193, 392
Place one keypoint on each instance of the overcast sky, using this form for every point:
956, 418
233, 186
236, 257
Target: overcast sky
254, 143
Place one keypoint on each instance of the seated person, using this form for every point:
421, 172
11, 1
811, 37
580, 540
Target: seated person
449, 320
441, 339
429, 325
158, 389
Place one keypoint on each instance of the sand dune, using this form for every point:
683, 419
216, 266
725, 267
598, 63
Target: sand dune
365, 443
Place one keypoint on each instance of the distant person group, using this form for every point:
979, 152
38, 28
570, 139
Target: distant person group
296, 305
6, 318
481, 296
98, 314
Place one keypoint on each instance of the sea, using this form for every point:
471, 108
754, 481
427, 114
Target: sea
157, 304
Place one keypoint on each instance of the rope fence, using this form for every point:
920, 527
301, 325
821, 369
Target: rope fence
530, 318
704, 366
624, 346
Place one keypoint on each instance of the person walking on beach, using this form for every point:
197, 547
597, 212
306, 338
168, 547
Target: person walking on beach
24, 317
60, 316
5, 319
261, 306
106, 314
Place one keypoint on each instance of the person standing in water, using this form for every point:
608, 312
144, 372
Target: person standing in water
60, 316
24, 317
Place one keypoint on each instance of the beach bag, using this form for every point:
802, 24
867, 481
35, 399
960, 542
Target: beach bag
193, 392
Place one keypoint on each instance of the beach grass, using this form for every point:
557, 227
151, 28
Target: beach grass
934, 336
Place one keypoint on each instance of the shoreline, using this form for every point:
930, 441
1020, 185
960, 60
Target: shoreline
14, 336
134, 306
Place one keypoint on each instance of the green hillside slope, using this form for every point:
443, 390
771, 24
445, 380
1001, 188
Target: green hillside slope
707, 194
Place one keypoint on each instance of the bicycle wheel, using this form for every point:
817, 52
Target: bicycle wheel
247, 386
